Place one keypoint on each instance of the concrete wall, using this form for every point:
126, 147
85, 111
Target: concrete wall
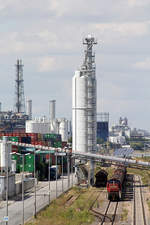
28, 183
11, 186
14, 188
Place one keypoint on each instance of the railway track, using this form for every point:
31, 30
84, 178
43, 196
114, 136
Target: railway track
110, 212
139, 217
107, 216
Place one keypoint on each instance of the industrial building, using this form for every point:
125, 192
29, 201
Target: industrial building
103, 126
119, 132
14, 121
53, 125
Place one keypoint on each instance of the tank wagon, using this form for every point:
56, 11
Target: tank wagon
115, 183
101, 178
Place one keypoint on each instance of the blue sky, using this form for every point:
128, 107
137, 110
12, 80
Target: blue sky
47, 36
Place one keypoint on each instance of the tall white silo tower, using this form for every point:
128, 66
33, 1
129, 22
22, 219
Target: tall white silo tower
84, 102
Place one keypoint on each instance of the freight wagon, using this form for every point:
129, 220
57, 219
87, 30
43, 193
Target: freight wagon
115, 183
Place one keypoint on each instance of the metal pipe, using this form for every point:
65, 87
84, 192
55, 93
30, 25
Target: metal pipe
92, 156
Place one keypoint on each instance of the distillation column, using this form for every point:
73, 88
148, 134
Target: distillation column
84, 99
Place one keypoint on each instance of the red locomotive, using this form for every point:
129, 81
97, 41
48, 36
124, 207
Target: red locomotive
114, 184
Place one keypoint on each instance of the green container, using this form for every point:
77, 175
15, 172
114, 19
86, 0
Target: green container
29, 168
29, 163
29, 159
14, 157
57, 144
14, 139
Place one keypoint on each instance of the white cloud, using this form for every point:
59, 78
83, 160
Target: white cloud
144, 65
123, 29
138, 3
46, 64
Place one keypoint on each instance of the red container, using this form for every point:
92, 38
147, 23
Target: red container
64, 144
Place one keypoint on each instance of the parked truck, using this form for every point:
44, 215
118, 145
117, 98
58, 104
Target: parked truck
55, 170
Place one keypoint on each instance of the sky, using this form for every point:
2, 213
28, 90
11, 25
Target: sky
47, 35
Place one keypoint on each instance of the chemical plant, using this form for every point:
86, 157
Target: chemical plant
41, 158
15, 121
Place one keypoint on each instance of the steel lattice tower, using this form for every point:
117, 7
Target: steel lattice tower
19, 88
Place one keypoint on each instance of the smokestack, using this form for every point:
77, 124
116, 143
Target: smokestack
29, 109
52, 104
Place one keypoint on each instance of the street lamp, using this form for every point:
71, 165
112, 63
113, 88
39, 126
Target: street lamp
56, 171
49, 177
72, 163
35, 184
68, 170
62, 172
6, 148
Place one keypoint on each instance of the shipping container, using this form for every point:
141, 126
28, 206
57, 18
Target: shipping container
14, 139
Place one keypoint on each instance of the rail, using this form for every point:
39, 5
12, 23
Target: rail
142, 205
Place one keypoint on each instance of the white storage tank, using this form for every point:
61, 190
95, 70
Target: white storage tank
79, 113
37, 127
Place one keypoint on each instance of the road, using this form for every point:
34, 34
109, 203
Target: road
15, 209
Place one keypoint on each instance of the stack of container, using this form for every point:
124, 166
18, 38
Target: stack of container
51, 140
28, 163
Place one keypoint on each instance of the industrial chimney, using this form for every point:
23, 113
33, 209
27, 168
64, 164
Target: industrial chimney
52, 104
29, 109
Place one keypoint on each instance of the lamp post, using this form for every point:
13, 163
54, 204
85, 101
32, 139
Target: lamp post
72, 160
34, 189
68, 169
49, 177
62, 172
35, 184
5, 139
56, 171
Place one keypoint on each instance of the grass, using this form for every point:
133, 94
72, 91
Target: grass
148, 203
75, 214
124, 215
145, 175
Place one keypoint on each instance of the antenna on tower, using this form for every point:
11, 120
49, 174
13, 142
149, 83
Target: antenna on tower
19, 88
89, 59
